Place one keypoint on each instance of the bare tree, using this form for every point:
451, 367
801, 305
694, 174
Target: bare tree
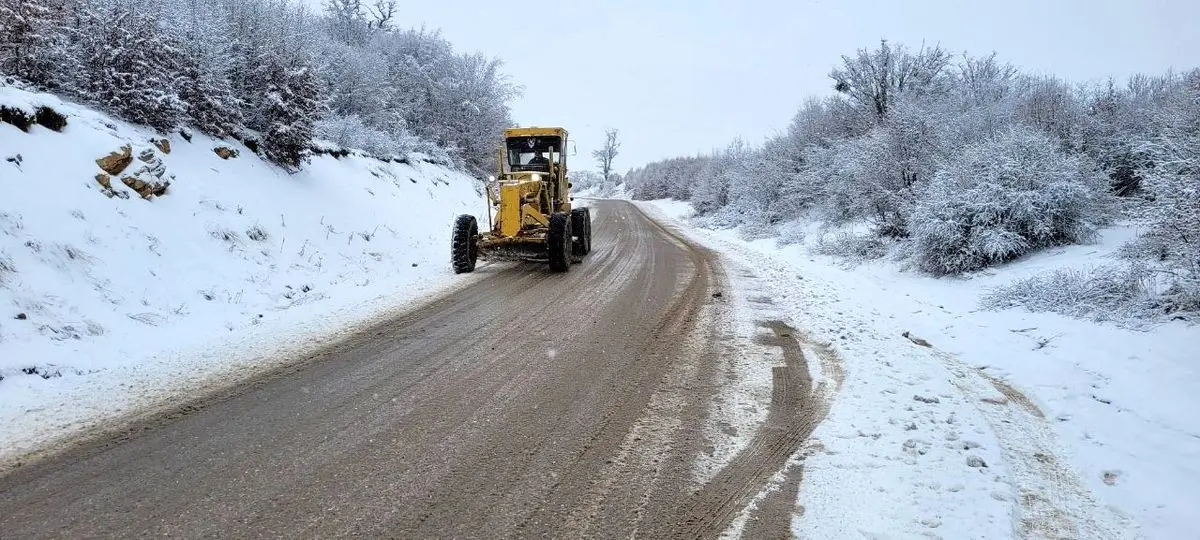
383, 12
605, 155
875, 79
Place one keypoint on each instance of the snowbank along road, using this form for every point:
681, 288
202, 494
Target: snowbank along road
526, 404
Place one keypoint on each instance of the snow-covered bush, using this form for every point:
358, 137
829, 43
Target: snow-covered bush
791, 232
352, 132
1000, 199
7, 268
755, 231
1172, 224
711, 192
881, 173
1126, 294
851, 247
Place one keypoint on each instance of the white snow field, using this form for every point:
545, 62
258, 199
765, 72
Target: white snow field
110, 305
980, 424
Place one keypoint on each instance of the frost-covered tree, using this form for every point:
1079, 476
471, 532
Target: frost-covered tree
755, 180
1052, 106
883, 171
348, 21
983, 81
128, 62
876, 79
999, 199
293, 105
711, 191
382, 13
263, 70
473, 113
33, 40
1172, 235
205, 88
607, 152
357, 82
457, 101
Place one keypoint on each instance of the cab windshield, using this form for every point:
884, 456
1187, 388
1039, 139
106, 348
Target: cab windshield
533, 153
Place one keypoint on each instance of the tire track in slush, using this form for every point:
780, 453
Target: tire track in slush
793, 415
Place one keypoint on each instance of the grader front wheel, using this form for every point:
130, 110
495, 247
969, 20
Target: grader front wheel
463, 248
558, 242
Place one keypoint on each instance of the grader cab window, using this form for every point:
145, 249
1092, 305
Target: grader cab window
533, 153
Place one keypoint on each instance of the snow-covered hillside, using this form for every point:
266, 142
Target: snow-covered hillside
110, 303
959, 422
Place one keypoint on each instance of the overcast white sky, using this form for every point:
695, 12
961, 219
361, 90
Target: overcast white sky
679, 77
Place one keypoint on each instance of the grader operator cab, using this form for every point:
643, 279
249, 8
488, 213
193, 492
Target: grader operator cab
529, 207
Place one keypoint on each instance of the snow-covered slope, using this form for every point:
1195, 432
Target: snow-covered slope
985, 424
108, 304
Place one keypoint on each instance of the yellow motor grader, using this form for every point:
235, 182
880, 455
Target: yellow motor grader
529, 207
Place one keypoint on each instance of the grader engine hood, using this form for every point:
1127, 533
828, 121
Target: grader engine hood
519, 194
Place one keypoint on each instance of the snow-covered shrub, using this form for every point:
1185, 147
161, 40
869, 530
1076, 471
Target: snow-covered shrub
7, 268
1000, 199
257, 233
755, 231
1127, 294
712, 189
726, 217
851, 247
878, 175
1051, 106
791, 232
352, 132
755, 180
344, 131
1172, 222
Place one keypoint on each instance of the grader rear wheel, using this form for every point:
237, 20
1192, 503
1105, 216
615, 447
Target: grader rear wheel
558, 242
581, 226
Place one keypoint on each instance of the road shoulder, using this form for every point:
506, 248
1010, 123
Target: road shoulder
918, 442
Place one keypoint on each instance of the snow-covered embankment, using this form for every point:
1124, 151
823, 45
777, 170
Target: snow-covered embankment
111, 303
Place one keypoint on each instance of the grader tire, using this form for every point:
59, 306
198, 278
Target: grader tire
463, 249
558, 242
581, 228
587, 231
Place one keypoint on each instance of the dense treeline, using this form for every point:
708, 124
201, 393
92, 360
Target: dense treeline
959, 163
266, 71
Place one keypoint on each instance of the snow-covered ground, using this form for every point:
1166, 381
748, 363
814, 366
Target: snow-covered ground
982, 424
111, 305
